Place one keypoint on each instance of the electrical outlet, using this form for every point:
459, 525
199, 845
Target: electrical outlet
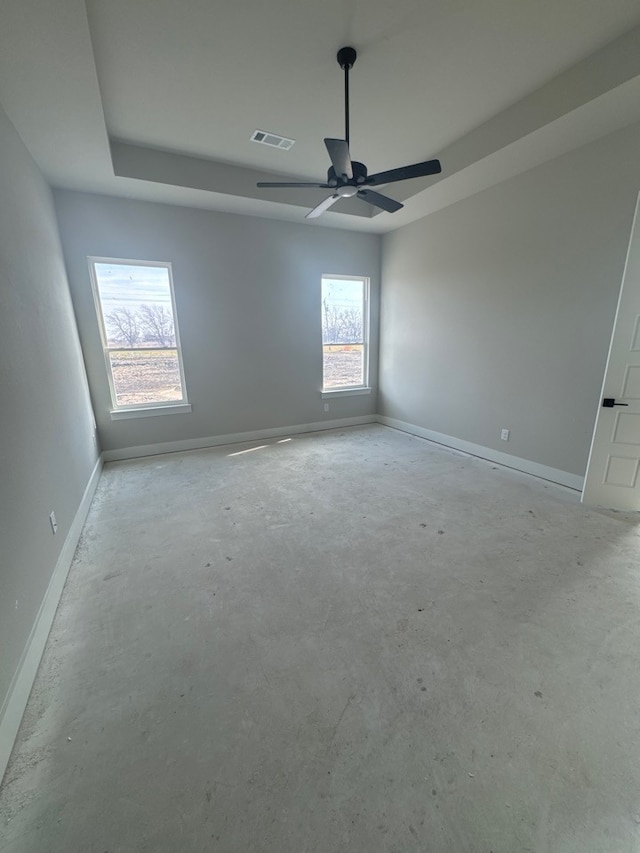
54, 523
326, 407
504, 434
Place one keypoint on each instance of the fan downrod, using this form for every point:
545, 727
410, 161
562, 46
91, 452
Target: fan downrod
346, 57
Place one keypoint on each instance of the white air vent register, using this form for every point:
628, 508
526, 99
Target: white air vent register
272, 139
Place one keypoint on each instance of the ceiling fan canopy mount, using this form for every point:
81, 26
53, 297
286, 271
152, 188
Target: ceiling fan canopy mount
347, 58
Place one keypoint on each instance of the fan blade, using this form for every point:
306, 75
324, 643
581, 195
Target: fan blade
340, 157
295, 184
418, 170
383, 201
324, 205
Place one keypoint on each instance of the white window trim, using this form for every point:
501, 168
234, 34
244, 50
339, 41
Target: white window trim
145, 409
365, 388
346, 392
150, 411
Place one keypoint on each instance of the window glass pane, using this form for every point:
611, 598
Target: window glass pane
145, 376
136, 305
343, 329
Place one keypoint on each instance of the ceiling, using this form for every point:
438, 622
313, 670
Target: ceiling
157, 99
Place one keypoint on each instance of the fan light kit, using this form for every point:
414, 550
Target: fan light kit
347, 177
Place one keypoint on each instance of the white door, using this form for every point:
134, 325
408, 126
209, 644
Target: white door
613, 470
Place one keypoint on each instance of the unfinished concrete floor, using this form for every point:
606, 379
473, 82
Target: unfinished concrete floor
348, 641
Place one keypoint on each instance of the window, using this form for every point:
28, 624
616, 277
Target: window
345, 332
137, 317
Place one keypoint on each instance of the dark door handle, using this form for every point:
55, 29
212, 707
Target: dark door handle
609, 403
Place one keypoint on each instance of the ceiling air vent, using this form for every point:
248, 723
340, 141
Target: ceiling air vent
272, 139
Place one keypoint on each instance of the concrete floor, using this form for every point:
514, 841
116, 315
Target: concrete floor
349, 641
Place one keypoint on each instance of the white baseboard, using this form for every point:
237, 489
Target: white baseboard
544, 472
554, 475
15, 701
232, 438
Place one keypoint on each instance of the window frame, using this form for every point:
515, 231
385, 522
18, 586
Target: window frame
364, 387
131, 410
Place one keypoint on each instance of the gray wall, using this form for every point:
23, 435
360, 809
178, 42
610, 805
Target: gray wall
248, 302
46, 429
498, 311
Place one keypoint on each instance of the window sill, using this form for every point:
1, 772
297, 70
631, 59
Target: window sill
345, 392
148, 412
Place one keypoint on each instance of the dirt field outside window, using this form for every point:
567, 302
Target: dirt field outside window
149, 376
153, 376
343, 365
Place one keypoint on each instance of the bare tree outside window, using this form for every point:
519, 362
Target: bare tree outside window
157, 324
124, 326
341, 325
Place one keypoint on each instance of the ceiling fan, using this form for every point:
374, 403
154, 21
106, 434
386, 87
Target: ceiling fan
347, 177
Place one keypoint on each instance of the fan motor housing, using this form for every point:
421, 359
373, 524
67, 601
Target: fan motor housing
359, 176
